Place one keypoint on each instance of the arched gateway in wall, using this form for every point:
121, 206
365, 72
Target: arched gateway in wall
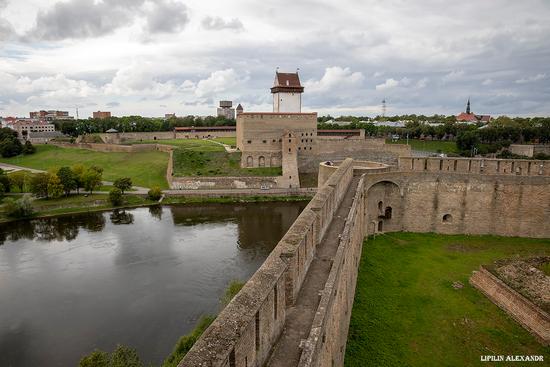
383, 200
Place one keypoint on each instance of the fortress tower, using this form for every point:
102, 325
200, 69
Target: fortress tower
287, 92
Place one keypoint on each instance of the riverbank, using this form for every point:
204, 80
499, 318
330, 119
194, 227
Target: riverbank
81, 203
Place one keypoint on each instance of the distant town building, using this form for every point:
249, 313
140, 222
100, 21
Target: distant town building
27, 127
101, 115
51, 115
471, 118
287, 92
240, 109
226, 110
169, 116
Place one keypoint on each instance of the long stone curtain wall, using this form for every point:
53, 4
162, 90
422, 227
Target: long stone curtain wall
326, 343
244, 333
441, 195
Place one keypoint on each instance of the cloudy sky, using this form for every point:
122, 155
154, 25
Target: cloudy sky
154, 57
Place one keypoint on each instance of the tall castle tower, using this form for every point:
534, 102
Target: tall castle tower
287, 92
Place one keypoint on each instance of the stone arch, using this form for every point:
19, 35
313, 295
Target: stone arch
447, 218
261, 161
249, 161
383, 201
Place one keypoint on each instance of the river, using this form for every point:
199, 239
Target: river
140, 277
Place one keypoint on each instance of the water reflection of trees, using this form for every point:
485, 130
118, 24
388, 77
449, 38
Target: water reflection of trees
121, 216
156, 211
55, 228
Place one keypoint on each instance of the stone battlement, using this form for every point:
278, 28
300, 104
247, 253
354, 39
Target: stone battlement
521, 167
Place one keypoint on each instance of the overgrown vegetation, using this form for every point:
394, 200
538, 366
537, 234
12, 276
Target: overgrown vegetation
407, 311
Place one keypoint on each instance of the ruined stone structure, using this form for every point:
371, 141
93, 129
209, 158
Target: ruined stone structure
295, 309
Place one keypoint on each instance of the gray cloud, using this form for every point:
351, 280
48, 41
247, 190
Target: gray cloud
79, 19
167, 17
113, 104
217, 23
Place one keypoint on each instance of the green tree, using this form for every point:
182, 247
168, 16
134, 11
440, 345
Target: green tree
10, 148
28, 148
67, 178
97, 358
467, 140
55, 188
91, 179
20, 208
39, 184
18, 179
115, 196
154, 193
123, 184
124, 356
78, 170
4, 180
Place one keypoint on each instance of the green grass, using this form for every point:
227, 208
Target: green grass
146, 169
198, 145
228, 141
189, 162
436, 146
545, 268
76, 204
406, 312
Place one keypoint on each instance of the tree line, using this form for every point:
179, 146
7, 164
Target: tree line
11, 146
136, 124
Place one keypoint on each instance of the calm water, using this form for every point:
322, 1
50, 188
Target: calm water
140, 277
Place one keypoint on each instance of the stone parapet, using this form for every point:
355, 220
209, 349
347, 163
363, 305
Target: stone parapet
525, 312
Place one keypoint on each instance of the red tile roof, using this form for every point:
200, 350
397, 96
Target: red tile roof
467, 117
287, 82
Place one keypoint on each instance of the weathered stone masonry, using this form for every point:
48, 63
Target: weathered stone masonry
435, 195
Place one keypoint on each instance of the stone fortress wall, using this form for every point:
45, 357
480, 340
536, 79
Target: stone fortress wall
481, 196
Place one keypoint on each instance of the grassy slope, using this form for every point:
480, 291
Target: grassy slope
406, 312
197, 157
429, 145
146, 169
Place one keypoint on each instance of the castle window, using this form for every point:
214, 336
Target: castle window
299, 148
447, 218
380, 205
388, 212
264, 141
274, 140
289, 140
380, 226
261, 161
249, 141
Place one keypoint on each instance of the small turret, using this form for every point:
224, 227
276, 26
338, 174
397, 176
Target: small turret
468, 106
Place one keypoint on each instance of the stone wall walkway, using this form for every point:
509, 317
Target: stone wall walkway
299, 318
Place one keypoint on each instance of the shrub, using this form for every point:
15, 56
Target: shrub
18, 179
39, 185
155, 193
97, 358
20, 208
122, 356
186, 342
115, 196
5, 181
28, 148
124, 184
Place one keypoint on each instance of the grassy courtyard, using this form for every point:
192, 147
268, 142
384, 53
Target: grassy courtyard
436, 146
146, 169
407, 313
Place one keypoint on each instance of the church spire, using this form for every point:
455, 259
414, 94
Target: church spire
468, 106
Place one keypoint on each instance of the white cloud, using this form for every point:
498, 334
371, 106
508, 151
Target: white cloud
422, 83
217, 23
335, 78
453, 76
487, 82
219, 81
531, 79
388, 84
